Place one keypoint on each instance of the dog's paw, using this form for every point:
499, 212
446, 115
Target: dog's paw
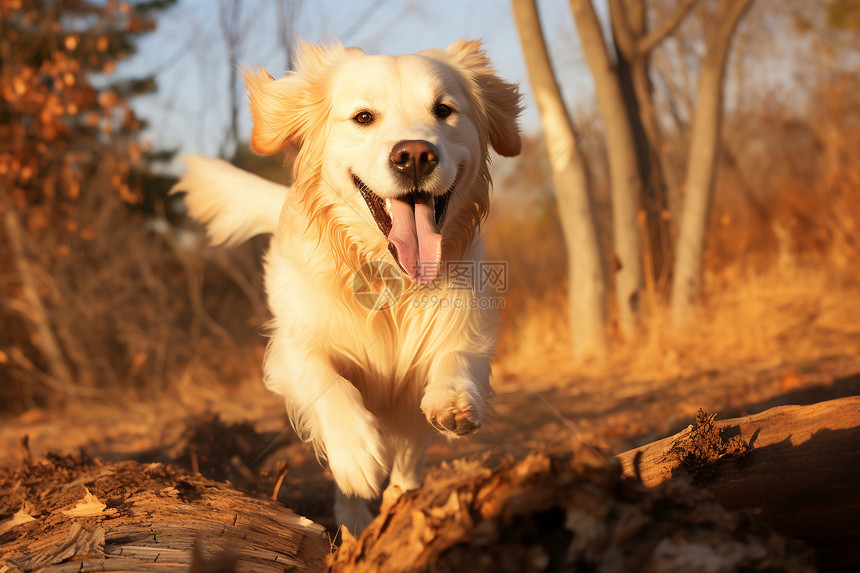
357, 457
454, 414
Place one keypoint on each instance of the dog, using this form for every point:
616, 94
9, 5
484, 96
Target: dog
391, 184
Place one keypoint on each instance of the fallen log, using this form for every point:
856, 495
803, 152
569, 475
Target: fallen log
565, 512
73, 513
799, 466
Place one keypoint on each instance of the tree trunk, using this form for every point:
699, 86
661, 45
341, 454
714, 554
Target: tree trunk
625, 182
586, 284
633, 46
229, 12
701, 165
288, 14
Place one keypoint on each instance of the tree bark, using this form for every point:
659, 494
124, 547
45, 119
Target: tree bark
801, 473
701, 166
625, 181
586, 282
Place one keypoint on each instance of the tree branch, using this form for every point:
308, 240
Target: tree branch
621, 29
728, 18
649, 42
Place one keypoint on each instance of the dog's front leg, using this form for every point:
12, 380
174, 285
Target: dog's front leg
455, 398
328, 410
354, 448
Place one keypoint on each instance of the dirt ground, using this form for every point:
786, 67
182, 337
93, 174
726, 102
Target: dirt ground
243, 436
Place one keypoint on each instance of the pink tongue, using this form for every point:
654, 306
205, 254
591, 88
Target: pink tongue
415, 236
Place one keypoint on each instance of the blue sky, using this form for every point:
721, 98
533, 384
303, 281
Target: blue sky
189, 57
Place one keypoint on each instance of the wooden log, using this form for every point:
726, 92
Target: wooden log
566, 512
145, 517
802, 473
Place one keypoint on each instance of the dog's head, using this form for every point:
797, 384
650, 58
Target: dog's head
393, 151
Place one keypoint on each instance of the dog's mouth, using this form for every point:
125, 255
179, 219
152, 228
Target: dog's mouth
412, 224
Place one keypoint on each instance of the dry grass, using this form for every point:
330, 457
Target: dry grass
767, 308
135, 314
783, 315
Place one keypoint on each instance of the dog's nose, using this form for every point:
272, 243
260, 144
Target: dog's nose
414, 159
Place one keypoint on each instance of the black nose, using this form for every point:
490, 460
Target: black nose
414, 159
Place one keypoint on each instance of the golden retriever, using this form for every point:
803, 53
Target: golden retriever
391, 184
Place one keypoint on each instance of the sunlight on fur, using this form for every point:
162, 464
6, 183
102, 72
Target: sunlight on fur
392, 168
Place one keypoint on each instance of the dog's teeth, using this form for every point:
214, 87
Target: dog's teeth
388, 206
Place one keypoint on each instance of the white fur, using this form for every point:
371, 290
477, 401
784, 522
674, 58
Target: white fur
361, 385
234, 204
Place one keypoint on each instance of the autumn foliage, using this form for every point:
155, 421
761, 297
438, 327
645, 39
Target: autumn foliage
57, 127
73, 256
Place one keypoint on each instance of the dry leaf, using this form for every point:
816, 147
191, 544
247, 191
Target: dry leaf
21, 516
89, 505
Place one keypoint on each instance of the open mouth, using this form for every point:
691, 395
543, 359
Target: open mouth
412, 224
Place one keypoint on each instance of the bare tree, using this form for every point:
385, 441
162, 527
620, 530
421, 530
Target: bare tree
634, 44
701, 164
586, 283
625, 181
229, 13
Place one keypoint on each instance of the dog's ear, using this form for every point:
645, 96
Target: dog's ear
499, 99
286, 110
276, 106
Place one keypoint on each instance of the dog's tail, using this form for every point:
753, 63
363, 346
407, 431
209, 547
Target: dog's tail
235, 205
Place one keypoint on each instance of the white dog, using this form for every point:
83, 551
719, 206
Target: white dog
391, 183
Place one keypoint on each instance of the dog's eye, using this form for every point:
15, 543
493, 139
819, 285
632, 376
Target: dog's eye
442, 111
363, 117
